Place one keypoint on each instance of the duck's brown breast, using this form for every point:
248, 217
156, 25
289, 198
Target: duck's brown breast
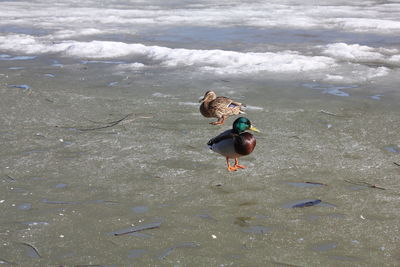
245, 143
204, 110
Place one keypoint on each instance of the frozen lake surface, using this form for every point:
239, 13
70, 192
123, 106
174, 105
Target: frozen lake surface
103, 150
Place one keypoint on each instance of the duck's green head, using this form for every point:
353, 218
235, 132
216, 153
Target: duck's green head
242, 124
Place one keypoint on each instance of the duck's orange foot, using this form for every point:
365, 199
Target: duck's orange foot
240, 166
232, 168
220, 121
217, 123
237, 166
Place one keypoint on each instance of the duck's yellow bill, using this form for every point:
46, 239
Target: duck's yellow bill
254, 129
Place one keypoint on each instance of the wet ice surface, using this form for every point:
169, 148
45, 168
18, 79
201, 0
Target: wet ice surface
152, 174
94, 142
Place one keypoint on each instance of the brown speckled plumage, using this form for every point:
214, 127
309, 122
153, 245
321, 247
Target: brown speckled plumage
219, 107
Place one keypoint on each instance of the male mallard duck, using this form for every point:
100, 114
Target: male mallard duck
219, 107
235, 143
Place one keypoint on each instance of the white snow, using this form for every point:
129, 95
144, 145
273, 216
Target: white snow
78, 29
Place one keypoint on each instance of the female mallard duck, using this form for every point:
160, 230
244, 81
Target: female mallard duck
219, 107
235, 143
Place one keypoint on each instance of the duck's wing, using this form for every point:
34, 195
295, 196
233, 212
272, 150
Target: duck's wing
225, 101
236, 104
225, 105
228, 134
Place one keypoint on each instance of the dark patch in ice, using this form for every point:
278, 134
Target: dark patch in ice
180, 245
140, 209
305, 184
60, 185
325, 246
220, 188
60, 202
137, 228
25, 206
99, 201
10, 178
392, 148
257, 229
330, 88
247, 203
136, 253
305, 202
11, 58
24, 87
336, 92
376, 97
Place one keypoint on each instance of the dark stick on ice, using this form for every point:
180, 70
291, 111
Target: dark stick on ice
107, 124
33, 252
374, 186
307, 204
316, 183
138, 228
329, 113
10, 178
397, 164
362, 183
110, 124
